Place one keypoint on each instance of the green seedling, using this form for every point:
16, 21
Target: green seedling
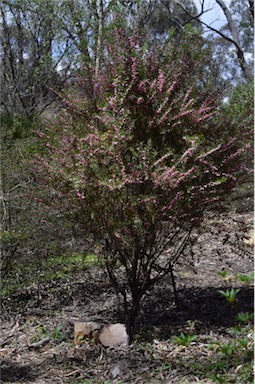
228, 349
57, 334
245, 317
146, 347
185, 340
41, 332
83, 339
218, 378
246, 279
237, 329
223, 274
230, 295
243, 342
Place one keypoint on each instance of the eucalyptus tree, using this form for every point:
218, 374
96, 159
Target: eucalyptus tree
33, 47
232, 43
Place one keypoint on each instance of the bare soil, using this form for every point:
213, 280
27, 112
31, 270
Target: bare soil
32, 313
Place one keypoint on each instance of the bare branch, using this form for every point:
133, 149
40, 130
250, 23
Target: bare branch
232, 28
251, 7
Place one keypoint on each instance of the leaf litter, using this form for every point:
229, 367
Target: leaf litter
153, 357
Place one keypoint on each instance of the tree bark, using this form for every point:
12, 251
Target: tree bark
233, 29
234, 39
251, 7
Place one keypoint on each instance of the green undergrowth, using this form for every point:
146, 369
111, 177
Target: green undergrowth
229, 361
214, 358
37, 271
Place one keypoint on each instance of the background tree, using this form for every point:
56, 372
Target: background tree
32, 50
139, 166
237, 34
158, 17
35, 54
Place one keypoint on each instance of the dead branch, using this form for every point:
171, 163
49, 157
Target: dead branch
40, 343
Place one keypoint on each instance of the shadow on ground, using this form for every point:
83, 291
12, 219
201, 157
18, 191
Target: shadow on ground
205, 305
18, 373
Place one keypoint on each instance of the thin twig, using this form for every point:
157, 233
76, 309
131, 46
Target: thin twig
40, 343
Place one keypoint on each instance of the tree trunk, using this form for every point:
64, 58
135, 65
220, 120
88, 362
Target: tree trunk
132, 315
251, 7
235, 35
99, 37
234, 39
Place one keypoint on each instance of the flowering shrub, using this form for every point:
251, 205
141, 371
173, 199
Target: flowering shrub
133, 156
